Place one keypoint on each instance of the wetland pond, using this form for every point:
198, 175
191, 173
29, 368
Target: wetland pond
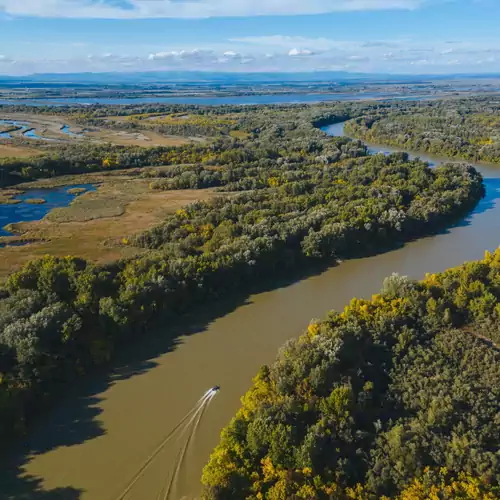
10, 126
94, 444
24, 211
13, 128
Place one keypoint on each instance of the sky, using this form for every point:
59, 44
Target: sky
368, 36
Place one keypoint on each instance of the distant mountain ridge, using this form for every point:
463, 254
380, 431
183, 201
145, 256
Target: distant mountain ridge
200, 77
194, 77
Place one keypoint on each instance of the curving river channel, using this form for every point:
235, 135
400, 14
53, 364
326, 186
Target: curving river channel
97, 441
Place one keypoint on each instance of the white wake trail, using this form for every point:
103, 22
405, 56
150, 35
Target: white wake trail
182, 426
182, 453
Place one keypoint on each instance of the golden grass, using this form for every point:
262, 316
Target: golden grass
8, 150
35, 201
50, 127
145, 138
239, 134
7, 195
76, 191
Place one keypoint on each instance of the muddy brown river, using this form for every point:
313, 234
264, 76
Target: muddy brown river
95, 444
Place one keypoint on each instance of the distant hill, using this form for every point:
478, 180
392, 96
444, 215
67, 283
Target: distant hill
199, 77
210, 78
195, 77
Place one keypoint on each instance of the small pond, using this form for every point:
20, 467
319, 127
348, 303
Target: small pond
31, 134
27, 212
67, 130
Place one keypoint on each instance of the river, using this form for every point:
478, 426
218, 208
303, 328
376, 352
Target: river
217, 100
93, 443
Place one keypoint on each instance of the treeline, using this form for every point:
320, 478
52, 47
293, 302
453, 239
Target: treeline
467, 129
395, 397
358, 205
178, 124
61, 317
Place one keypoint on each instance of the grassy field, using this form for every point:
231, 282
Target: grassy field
140, 138
94, 225
50, 127
9, 150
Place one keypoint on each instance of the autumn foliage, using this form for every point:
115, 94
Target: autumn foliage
394, 397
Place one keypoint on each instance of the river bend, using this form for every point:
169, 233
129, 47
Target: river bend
97, 439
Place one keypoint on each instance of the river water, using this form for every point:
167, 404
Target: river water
216, 100
95, 442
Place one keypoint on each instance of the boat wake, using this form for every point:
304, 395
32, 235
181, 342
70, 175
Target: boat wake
183, 433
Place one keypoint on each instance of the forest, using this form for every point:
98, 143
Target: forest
290, 196
226, 135
394, 397
467, 128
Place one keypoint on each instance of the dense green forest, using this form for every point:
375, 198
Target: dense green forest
466, 128
249, 135
314, 198
395, 397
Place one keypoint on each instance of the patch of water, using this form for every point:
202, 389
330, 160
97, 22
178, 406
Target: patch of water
118, 418
22, 126
31, 134
217, 100
26, 212
67, 130
14, 244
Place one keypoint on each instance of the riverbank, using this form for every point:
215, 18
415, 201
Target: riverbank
466, 130
388, 377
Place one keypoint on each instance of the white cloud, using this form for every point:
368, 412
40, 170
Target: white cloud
134, 9
271, 53
5, 60
358, 58
288, 42
421, 62
194, 55
488, 60
300, 53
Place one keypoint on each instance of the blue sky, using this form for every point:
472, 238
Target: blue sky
394, 36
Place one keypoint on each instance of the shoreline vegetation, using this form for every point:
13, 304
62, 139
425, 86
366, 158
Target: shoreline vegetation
298, 196
394, 397
465, 129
